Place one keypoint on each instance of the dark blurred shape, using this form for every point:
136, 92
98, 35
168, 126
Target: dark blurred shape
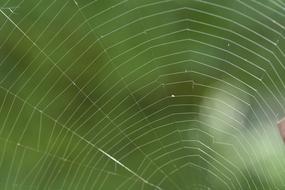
281, 126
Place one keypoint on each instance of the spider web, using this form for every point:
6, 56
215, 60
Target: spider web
130, 94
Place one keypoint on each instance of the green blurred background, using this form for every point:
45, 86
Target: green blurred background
142, 94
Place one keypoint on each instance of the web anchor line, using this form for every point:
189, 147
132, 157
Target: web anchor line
131, 171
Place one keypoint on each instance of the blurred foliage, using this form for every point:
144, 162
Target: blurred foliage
141, 94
